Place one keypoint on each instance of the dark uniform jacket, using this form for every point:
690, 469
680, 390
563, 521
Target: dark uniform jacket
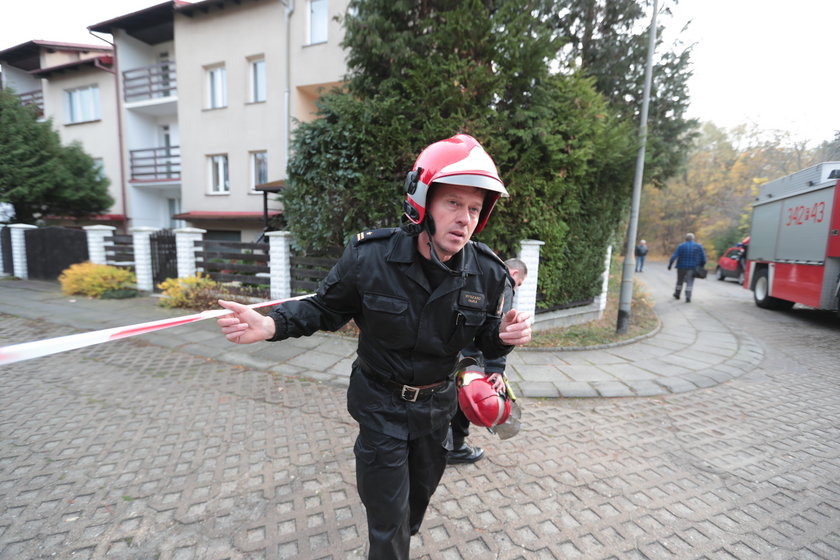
410, 333
485, 364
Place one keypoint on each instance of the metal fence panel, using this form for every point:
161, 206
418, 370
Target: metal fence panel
6, 241
50, 250
164, 256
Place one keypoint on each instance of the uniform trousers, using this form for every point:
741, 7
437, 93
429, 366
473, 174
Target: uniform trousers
396, 479
460, 429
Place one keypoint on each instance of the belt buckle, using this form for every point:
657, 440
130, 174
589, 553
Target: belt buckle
409, 388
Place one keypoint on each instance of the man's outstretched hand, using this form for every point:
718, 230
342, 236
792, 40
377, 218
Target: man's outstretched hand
515, 329
244, 325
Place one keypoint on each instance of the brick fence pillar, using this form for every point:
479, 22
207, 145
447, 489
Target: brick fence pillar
185, 239
279, 262
19, 267
605, 285
141, 238
96, 242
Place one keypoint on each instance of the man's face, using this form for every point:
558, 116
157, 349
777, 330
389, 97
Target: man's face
455, 210
518, 277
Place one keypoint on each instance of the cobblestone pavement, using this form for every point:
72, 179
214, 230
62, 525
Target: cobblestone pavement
134, 450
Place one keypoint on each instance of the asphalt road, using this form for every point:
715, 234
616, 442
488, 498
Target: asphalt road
137, 450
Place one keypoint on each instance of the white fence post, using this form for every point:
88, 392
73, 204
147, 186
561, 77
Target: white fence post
279, 263
526, 296
19, 265
185, 239
602, 304
141, 237
96, 242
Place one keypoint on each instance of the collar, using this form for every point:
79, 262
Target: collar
402, 247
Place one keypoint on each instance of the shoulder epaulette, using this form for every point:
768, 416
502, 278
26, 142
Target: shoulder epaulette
485, 250
372, 234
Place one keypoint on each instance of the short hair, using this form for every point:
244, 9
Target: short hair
517, 264
689, 237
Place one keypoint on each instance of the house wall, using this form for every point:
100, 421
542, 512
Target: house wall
231, 37
19, 80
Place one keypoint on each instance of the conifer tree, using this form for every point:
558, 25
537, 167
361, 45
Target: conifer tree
420, 71
607, 40
38, 175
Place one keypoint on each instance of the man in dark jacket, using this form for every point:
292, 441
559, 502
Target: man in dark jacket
419, 295
641, 254
687, 255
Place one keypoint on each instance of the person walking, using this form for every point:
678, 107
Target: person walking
641, 252
688, 255
419, 294
494, 369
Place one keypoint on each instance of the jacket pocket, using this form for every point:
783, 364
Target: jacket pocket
387, 319
467, 323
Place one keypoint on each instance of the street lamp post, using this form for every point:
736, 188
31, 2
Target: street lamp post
626, 295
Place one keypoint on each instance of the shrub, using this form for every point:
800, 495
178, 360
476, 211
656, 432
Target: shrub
98, 281
192, 292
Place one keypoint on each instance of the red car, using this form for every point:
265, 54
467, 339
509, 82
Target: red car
731, 263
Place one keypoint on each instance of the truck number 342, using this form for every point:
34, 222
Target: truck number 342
798, 215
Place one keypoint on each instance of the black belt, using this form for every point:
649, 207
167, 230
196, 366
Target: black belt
408, 393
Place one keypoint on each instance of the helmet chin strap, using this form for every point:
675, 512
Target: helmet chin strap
429, 227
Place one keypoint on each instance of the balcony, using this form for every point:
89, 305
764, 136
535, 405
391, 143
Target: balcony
36, 98
157, 81
156, 165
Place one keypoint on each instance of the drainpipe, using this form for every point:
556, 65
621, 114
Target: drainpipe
116, 73
290, 9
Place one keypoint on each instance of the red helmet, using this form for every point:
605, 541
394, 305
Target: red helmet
459, 160
482, 405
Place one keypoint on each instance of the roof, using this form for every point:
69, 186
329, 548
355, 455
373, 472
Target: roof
190, 8
27, 56
198, 215
151, 25
271, 186
75, 65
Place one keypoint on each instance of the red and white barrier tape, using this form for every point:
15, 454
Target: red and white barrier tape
37, 348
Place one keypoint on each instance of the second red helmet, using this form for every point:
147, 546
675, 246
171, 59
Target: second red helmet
480, 403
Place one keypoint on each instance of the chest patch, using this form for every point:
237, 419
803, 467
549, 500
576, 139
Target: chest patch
471, 299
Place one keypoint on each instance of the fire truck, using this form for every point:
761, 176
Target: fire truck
794, 251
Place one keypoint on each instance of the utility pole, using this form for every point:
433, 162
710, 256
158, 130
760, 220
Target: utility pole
626, 295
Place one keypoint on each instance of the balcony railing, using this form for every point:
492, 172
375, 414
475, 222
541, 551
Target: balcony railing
35, 97
156, 164
150, 82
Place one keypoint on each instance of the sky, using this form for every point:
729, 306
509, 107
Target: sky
771, 64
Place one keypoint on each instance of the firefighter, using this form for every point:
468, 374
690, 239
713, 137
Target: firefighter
419, 294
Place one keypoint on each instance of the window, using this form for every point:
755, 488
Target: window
257, 85
99, 165
259, 168
216, 87
82, 104
318, 21
219, 181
